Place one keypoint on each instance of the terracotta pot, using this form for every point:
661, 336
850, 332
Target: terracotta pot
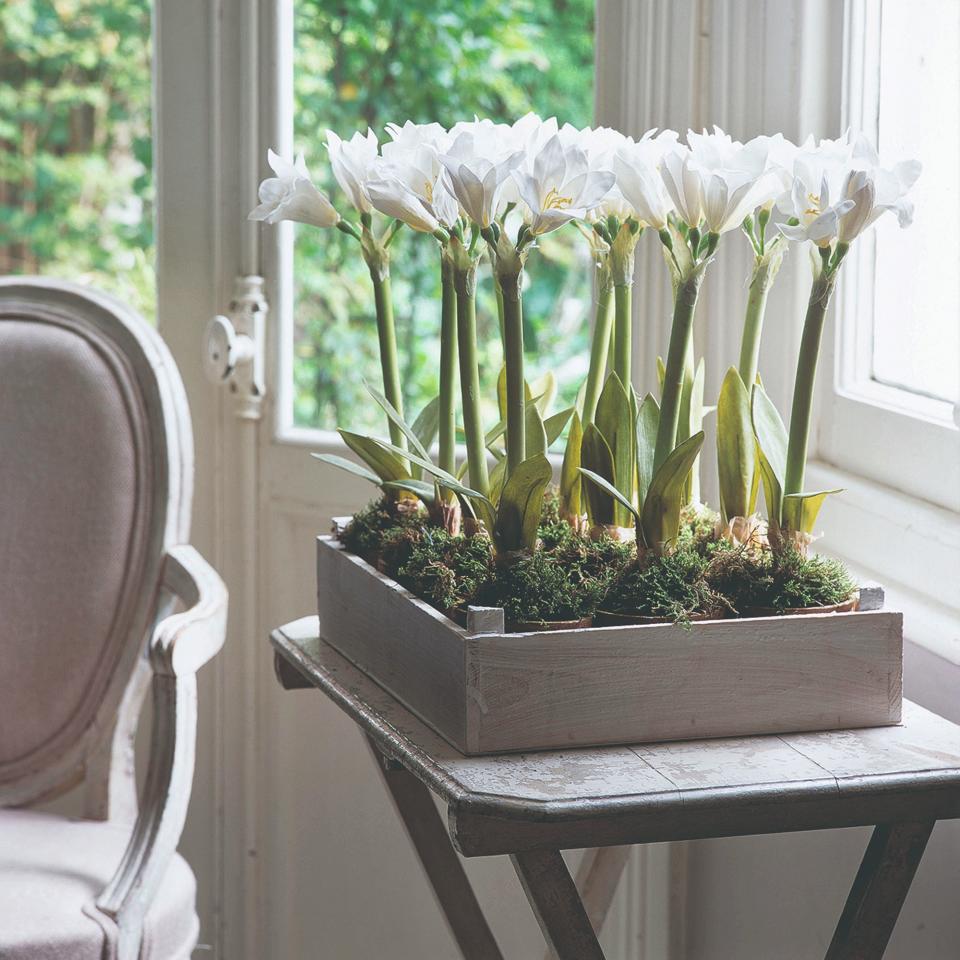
538, 626
846, 607
609, 618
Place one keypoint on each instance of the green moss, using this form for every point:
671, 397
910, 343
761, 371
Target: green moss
370, 526
565, 582
698, 529
779, 580
446, 571
673, 586
554, 531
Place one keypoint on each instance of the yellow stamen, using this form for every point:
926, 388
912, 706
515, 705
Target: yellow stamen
428, 191
553, 200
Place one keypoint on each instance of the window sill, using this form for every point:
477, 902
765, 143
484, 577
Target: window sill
908, 545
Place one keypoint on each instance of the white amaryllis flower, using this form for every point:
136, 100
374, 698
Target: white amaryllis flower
719, 179
291, 195
637, 168
561, 187
352, 162
415, 189
840, 189
411, 137
479, 168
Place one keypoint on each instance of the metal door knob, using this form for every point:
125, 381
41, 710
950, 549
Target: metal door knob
224, 349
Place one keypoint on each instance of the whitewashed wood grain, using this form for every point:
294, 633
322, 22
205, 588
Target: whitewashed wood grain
494, 692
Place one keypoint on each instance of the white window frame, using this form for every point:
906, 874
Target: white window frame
888, 434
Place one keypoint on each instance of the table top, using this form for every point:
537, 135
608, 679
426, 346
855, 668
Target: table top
562, 799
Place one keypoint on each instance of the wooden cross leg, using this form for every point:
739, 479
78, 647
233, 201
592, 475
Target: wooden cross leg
878, 891
431, 841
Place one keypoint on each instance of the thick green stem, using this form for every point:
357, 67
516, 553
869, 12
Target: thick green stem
465, 285
753, 322
498, 291
685, 425
806, 375
622, 332
680, 339
388, 349
598, 353
513, 358
448, 367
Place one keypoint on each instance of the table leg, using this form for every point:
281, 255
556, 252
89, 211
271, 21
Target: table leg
879, 890
598, 876
557, 905
431, 841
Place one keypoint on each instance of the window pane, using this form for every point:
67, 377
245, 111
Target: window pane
364, 64
917, 325
76, 191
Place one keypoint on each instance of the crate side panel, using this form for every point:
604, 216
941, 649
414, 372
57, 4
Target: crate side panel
716, 679
405, 646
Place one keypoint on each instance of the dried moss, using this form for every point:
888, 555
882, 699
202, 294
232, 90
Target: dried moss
673, 586
446, 571
779, 581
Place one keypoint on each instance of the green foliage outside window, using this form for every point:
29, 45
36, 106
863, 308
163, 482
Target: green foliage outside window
76, 190
367, 62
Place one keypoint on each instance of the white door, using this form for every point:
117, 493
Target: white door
298, 850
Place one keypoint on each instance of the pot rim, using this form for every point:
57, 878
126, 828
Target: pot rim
847, 606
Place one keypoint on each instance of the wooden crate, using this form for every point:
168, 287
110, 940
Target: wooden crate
491, 692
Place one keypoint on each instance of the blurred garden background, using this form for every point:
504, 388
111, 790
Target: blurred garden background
76, 192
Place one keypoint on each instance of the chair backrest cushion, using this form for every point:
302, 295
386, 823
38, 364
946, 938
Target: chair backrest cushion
84, 491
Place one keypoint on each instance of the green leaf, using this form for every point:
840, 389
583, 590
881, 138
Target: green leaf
800, 509
771, 437
736, 447
348, 465
614, 419
384, 464
427, 492
502, 393
554, 425
611, 491
427, 424
648, 420
570, 498
498, 476
518, 513
536, 436
394, 417
661, 506
543, 390
447, 480
661, 374
595, 455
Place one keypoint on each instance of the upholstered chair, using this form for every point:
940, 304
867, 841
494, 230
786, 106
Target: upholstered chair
101, 599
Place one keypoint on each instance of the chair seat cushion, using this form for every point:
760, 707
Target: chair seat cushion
52, 869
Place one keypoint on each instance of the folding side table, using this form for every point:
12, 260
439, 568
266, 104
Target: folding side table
900, 780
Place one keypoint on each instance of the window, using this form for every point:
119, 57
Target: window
76, 187
916, 341
440, 60
897, 359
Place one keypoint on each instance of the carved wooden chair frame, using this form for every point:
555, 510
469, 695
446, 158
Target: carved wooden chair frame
160, 648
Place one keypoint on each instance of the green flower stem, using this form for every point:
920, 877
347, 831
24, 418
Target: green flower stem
498, 292
599, 349
622, 331
764, 270
510, 285
465, 285
800, 412
448, 367
388, 348
681, 339
692, 492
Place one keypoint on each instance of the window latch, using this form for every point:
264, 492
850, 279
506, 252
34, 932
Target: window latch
233, 347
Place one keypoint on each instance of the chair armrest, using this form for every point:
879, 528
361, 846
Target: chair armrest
180, 644
183, 642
